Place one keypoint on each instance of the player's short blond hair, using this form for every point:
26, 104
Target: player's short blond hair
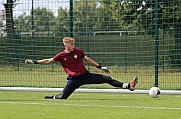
68, 40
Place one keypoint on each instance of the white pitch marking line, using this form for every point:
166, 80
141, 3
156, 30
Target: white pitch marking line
82, 105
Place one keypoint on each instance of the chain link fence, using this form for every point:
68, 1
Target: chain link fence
130, 37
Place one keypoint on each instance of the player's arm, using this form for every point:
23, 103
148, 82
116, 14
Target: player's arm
43, 61
93, 63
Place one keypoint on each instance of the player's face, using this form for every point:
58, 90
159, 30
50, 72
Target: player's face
69, 47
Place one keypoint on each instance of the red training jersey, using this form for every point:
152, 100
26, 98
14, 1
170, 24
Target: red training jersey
72, 62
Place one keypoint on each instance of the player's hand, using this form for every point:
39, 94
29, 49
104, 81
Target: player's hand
28, 61
105, 69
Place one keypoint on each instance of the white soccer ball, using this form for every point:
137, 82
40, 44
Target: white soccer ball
154, 92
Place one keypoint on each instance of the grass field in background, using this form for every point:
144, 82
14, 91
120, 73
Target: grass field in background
31, 105
46, 76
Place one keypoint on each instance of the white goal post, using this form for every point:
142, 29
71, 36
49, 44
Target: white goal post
87, 90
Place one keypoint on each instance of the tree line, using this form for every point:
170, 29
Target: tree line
90, 16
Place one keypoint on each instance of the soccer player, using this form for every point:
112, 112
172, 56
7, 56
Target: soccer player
71, 60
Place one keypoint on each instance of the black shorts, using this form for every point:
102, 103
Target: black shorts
88, 78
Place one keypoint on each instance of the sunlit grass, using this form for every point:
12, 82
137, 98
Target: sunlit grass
31, 105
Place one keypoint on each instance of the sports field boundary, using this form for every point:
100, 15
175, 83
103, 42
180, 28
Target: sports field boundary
87, 90
89, 105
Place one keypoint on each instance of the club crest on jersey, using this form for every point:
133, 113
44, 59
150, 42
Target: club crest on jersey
65, 59
75, 56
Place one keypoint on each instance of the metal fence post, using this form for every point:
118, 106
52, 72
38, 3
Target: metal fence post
156, 62
71, 19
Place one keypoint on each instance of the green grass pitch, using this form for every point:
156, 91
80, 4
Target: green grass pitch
31, 105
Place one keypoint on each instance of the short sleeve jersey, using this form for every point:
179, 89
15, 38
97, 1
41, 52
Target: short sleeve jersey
72, 62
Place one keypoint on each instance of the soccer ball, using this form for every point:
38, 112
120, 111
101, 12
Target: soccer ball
154, 92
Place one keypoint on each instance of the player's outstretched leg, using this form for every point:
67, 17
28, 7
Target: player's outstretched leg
133, 83
67, 91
